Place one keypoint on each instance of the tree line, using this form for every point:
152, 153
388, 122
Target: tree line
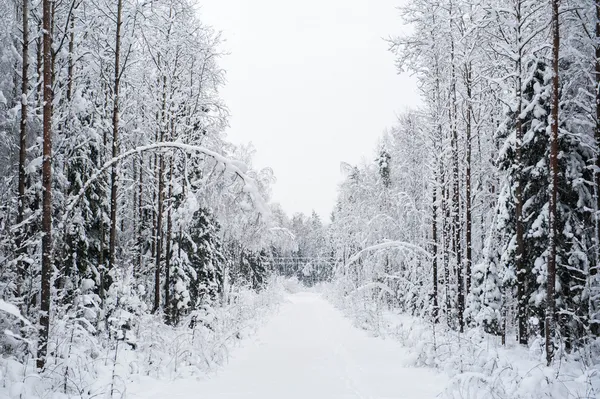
116, 171
495, 175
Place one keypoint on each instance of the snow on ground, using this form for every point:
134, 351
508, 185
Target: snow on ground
308, 350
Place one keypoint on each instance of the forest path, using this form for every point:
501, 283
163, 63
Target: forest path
309, 350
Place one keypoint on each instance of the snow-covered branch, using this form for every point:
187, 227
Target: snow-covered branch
250, 187
13, 311
387, 245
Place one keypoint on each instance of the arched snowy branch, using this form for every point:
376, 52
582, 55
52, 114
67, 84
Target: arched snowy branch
385, 245
231, 165
373, 285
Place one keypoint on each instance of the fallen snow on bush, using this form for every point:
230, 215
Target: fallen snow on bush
481, 366
478, 365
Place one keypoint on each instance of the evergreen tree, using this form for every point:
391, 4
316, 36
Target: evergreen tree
198, 267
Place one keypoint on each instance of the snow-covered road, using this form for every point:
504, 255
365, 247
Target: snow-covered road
308, 350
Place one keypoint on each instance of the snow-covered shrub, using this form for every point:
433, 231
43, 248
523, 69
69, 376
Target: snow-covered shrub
141, 346
480, 366
292, 285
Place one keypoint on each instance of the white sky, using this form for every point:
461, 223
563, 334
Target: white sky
310, 84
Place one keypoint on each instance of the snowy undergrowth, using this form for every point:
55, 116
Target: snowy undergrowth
85, 366
480, 367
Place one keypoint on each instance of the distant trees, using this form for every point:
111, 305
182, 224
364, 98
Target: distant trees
310, 235
386, 200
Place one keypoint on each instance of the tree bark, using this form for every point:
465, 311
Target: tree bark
159, 223
115, 142
161, 189
550, 305
135, 214
434, 239
468, 210
71, 60
141, 215
39, 66
519, 228
446, 249
23, 142
168, 309
44, 328
456, 228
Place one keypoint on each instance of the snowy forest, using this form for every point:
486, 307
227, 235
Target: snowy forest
138, 244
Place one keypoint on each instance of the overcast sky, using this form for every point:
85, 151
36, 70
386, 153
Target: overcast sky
310, 84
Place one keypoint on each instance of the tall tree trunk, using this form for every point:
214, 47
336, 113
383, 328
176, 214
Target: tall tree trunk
438, 181
159, 225
44, 328
519, 259
23, 143
446, 249
468, 210
168, 309
39, 67
154, 201
71, 60
456, 239
434, 240
522, 299
142, 221
161, 189
52, 13
456, 228
65, 248
135, 214
550, 305
115, 142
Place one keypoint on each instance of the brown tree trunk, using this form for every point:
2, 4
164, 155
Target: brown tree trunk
47, 189
550, 306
